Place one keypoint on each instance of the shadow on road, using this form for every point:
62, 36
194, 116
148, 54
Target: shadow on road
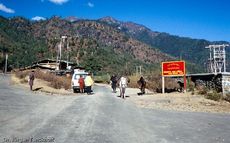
36, 89
125, 96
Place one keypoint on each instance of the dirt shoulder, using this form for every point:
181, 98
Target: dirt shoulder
40, 86
179, 102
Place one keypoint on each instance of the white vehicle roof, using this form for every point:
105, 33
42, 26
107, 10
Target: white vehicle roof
78, 71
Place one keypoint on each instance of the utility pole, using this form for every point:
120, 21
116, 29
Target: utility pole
67, 53
58, 55
217, 58
59, 51
6, 63
139, 70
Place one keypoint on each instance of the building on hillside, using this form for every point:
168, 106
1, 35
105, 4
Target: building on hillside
50, 64
61, 67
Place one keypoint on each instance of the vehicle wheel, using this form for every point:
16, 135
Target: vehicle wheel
75, 90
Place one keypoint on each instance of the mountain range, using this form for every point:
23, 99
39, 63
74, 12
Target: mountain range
105, 45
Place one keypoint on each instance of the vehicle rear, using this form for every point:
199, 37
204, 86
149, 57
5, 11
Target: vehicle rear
75, 79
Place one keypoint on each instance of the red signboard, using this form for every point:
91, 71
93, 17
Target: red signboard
173, 68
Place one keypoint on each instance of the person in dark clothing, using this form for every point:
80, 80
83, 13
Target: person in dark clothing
113, 80
181, 86
142, 84
31, 80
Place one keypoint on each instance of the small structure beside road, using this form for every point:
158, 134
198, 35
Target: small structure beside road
218, 78
60, 67
220, 81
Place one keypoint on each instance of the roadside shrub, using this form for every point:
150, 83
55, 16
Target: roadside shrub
45, 76
227, 97
22, 74
55, 81
66, 82
133, 81
203, 90
101, 79
193, 92
191, 86
153, 82
213, 96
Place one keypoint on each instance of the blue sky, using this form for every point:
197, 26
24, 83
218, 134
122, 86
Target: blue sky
202, 19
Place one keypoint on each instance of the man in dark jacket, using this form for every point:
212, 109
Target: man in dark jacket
114, 82
141, 82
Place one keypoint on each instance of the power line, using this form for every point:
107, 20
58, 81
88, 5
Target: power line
139, 70
217, 58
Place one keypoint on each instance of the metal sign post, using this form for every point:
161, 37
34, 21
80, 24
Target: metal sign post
163, 84
185, 83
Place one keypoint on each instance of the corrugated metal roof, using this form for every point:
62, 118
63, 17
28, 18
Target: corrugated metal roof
206, 74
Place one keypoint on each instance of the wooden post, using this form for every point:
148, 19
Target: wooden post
224, 79
185, 84
163, 84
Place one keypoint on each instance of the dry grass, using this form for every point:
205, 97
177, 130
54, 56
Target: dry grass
133, 81
102, 79
22, 74
154, 82
214, 96
227, 98
57, 82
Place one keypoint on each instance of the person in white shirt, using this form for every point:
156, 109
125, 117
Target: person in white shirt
122, 84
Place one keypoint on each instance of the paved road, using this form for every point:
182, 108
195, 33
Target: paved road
100, 118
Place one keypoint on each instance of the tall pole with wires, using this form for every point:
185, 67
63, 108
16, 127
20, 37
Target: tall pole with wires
6, 63
217, 59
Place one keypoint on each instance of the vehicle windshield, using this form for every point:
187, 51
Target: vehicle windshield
77, 76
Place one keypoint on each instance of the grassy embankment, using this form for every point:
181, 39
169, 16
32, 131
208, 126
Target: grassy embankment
54, 81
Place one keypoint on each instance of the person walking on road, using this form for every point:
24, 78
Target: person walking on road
81, 84
114, 82
31, 80
123, 84
142, 83
89, 83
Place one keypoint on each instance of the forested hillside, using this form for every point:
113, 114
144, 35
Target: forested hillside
191, 50
94, 45
18, 40
104, 45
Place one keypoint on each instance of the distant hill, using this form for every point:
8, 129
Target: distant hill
105, 45
97, 46
191, 50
